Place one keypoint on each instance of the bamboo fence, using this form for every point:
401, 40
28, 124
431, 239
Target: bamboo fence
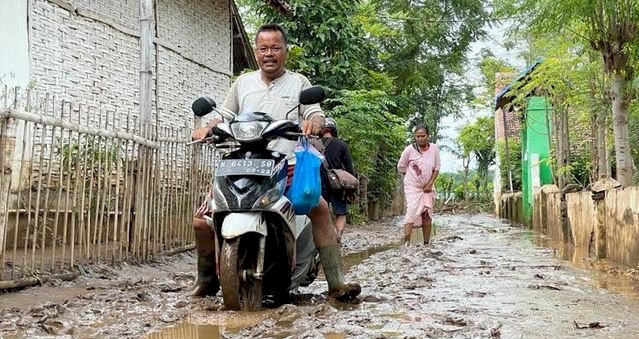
83, 185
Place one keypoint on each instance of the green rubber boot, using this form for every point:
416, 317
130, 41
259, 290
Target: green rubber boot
207, 282
331, 259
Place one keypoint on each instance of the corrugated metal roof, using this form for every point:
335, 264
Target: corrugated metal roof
243, 56
500, 99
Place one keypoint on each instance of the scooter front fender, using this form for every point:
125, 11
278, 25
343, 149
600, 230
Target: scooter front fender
236, 224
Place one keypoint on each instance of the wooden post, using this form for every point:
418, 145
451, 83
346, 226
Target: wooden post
146, 55
507, 150
7, 148
147, 14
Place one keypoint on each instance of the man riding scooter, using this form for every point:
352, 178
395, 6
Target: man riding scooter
272, 89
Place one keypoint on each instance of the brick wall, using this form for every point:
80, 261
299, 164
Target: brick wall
195, 57
87, 51
512, 121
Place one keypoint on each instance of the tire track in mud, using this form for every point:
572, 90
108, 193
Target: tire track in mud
135, 300
479, 278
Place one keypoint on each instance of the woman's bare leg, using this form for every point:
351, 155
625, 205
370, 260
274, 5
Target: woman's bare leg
408, 230
427, 225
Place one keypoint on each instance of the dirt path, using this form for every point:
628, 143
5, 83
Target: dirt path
130, 301
479, 278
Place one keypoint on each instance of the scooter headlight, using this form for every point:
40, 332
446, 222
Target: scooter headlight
271, 195
247, 130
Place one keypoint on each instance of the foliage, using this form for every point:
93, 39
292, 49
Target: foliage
513, 162
424, 48
634, 136
89, 159
450, 187
490, 66
328, 46
90, 156
478, 139
578, 170
375, 137
608, 29
565, 77
445, 185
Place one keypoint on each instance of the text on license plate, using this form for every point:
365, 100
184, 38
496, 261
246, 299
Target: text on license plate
245, 167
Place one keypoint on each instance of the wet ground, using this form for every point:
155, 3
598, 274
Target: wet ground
479, 278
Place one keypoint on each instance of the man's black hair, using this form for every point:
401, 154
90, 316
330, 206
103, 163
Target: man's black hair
272, 28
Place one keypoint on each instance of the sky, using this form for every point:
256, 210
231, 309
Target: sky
494, 40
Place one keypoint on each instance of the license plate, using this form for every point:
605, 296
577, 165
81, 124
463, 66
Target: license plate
263, 167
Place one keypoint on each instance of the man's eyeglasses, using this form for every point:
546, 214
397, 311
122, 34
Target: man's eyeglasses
273, 49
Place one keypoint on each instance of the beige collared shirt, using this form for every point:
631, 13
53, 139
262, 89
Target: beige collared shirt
249, 93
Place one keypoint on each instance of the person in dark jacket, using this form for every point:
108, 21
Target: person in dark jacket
338, 156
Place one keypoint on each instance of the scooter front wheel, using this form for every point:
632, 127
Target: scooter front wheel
240, 291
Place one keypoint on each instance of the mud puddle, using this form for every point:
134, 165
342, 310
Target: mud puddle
137, 300
480, 278
600, 273
354, 259
222, 324
188, 330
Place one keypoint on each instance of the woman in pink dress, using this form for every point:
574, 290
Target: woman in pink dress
420, 165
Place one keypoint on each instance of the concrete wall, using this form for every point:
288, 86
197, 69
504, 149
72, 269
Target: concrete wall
622, 226
552, 224
535, 152
88, 51
511, 207
605, 228
582, 222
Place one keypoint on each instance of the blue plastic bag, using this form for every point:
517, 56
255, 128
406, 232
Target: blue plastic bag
306, 185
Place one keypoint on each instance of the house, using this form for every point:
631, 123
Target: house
88, 51
83, 179
530, 125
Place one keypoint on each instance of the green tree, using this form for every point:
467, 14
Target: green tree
572, 81
327, 45
375, 137
489, 67
478, 139
609, 27
424, 49
510, 164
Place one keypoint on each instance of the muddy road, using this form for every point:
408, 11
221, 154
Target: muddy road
480, 277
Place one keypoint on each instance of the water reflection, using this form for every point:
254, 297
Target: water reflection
356, 258
193, 331
188, 330
215, 324
212, 324
604, 274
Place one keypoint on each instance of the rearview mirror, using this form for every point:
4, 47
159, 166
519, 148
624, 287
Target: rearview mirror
312, 95
203, 106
